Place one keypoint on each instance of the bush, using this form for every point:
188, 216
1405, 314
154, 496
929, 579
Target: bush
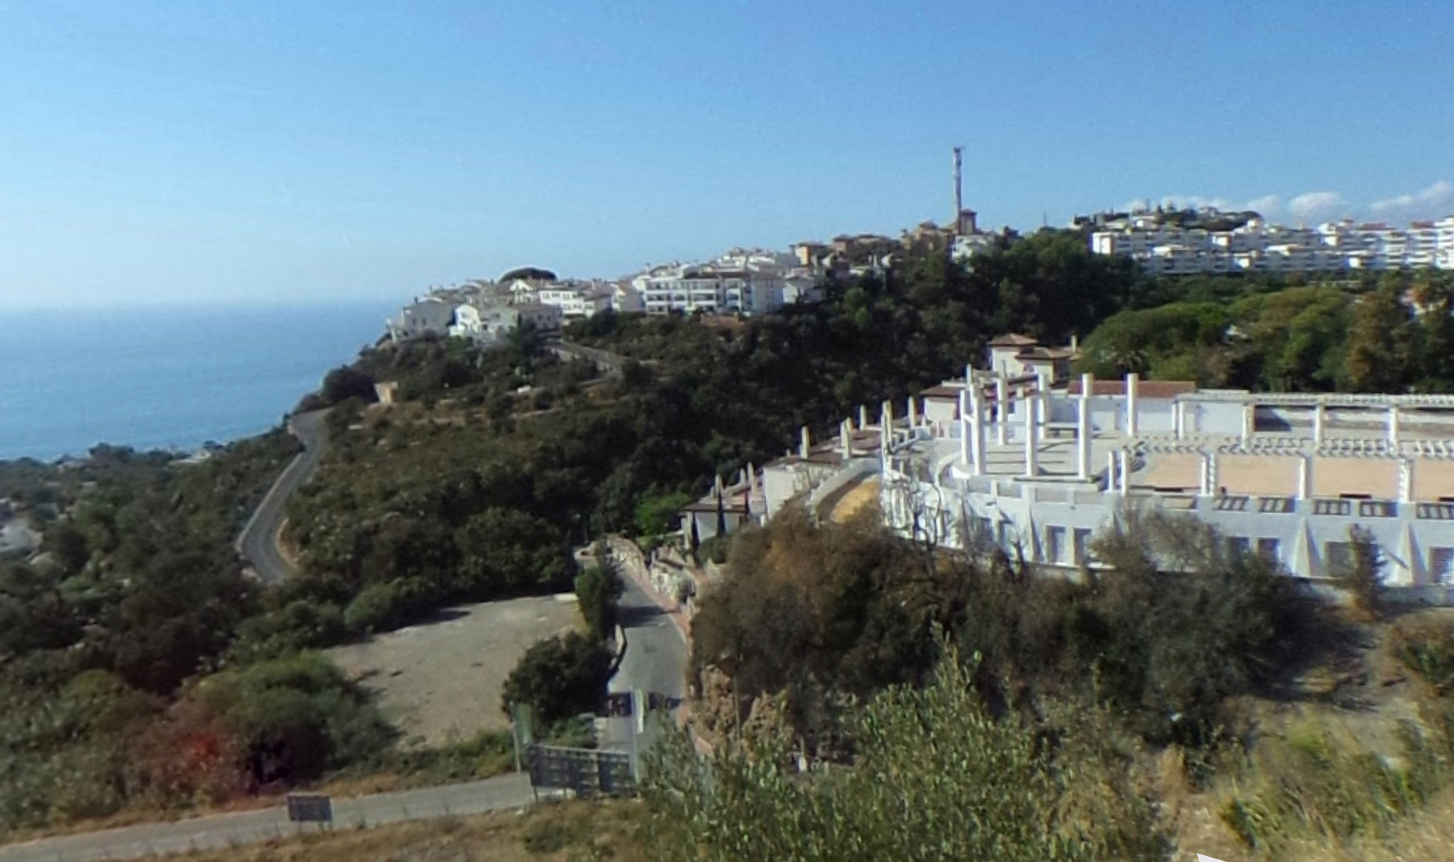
296, 717
560, 677
598, 591
299, 625
1426, 645
937, 777
382, 607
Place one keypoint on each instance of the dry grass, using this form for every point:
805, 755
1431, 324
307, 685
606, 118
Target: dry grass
545, 833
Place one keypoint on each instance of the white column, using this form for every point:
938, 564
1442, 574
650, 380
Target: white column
1305, 477
964, 428
886, 417
1133, 383
845, 438
1178, 419
1083, 426
1319, 413
1042, 404
1393, 426
805, 443
862, 416
1123, 471
1111, 464
1405, 479
1002, 411
1249, 413
913, 412
1032, 452
976, 401
1204, 485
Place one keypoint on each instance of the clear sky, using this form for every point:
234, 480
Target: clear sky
274, 151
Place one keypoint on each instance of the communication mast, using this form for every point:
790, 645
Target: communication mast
958, 184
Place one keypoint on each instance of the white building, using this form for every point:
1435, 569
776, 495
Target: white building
1041, 471
1260, 247
576, 300
746, 281
430, 315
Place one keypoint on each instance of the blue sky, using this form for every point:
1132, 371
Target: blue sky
282, 151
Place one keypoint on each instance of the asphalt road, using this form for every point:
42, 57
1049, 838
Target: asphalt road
606, 361
655, 662
258, 543
225, 830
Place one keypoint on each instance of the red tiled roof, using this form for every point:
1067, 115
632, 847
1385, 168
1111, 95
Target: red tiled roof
942, 391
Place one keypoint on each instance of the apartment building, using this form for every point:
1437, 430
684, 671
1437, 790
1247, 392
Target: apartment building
745, 281
1260, 247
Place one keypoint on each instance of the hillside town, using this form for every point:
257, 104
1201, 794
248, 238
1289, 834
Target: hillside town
753, 281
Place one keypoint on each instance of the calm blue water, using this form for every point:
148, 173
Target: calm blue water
165, 377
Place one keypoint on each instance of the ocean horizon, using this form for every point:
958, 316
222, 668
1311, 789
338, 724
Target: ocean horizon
166, 377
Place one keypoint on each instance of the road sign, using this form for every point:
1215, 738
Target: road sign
309, 808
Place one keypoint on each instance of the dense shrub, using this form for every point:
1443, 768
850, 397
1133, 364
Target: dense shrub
295, 717
381, 607
1425, 644
560, 677
936, 777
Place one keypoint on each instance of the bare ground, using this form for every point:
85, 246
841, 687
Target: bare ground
441, 681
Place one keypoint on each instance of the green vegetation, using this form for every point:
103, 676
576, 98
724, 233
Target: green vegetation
1392, 335
936, 776
560, 677
859, 609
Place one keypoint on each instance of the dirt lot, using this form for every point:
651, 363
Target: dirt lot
441, 681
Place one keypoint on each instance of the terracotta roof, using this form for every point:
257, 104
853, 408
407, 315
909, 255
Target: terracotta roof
1144, 389
1046, 353
1013, 340
942, 391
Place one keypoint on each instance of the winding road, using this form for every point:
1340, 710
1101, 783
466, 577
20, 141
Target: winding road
258, 542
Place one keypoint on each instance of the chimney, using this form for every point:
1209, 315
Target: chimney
805, 444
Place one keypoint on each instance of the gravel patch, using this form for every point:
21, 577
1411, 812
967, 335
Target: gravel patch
441, 681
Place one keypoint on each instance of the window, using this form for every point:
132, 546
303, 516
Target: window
1441, 565
1270, 550
1082, 546
1239, 545
1054, 543
1338, 556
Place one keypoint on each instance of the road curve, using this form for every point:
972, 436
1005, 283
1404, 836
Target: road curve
258, 542
503, 793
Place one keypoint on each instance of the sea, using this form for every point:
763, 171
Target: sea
166, 377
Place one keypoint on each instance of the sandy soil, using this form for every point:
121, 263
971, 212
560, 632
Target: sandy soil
441, 681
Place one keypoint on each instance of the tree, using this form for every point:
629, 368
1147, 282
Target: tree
598, 591
1380, 340
1361, 572
560, 677
347, 382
